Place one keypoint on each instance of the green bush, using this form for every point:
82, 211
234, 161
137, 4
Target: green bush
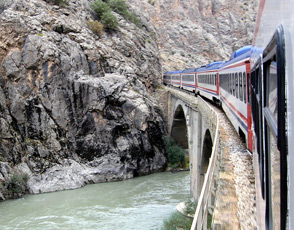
17, 183
177, 221
152, 2
100, 8
175, 153
119, 6
132, 18
109, 20
96, 27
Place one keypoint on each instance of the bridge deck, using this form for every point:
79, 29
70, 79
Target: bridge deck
235, 196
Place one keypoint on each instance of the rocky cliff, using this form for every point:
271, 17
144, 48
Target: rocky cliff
192, 33
75, 108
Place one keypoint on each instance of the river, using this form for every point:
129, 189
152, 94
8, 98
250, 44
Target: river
141, 203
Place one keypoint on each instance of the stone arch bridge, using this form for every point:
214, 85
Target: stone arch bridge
192, 124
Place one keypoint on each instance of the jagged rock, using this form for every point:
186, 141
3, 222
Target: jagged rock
193, 33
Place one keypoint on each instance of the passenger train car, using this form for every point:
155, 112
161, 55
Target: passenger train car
208, 81
189, 79
256, 90
234, 86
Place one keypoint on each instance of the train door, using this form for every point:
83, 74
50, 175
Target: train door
257, 105
275, 140
246, 93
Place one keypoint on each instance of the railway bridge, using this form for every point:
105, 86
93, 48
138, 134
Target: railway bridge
220, 166
193, 124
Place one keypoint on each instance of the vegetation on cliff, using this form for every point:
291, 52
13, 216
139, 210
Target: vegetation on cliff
103, 13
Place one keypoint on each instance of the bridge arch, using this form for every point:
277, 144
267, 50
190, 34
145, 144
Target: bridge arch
179, 130
206, 151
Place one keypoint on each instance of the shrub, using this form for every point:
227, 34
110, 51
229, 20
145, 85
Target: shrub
177, 221
62, 3
109, 20
152, 2
132, 18
175, 153
17, 183
119, 6
100, 8
96, 27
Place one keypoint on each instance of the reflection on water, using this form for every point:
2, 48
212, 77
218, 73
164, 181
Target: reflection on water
140, 203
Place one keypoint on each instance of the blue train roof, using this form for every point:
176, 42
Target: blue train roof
240, 52
175, 72
190, 70
212, 66
244, 54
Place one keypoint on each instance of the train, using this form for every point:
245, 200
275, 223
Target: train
223, 82
255, 88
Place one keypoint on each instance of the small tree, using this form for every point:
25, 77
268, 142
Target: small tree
100, 8
96, 27
119, 6
175, 153
109, 20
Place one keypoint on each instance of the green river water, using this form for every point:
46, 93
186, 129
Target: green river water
141, 203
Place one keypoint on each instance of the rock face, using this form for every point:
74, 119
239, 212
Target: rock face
193, 33
75, 108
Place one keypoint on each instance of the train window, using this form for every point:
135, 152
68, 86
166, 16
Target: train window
244, 87
271, 96
231, 84
228, 82
236, 86
240, 87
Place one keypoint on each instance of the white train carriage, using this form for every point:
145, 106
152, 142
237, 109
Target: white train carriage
233, 91
176, 78
166, 78
189, 79
207, 81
